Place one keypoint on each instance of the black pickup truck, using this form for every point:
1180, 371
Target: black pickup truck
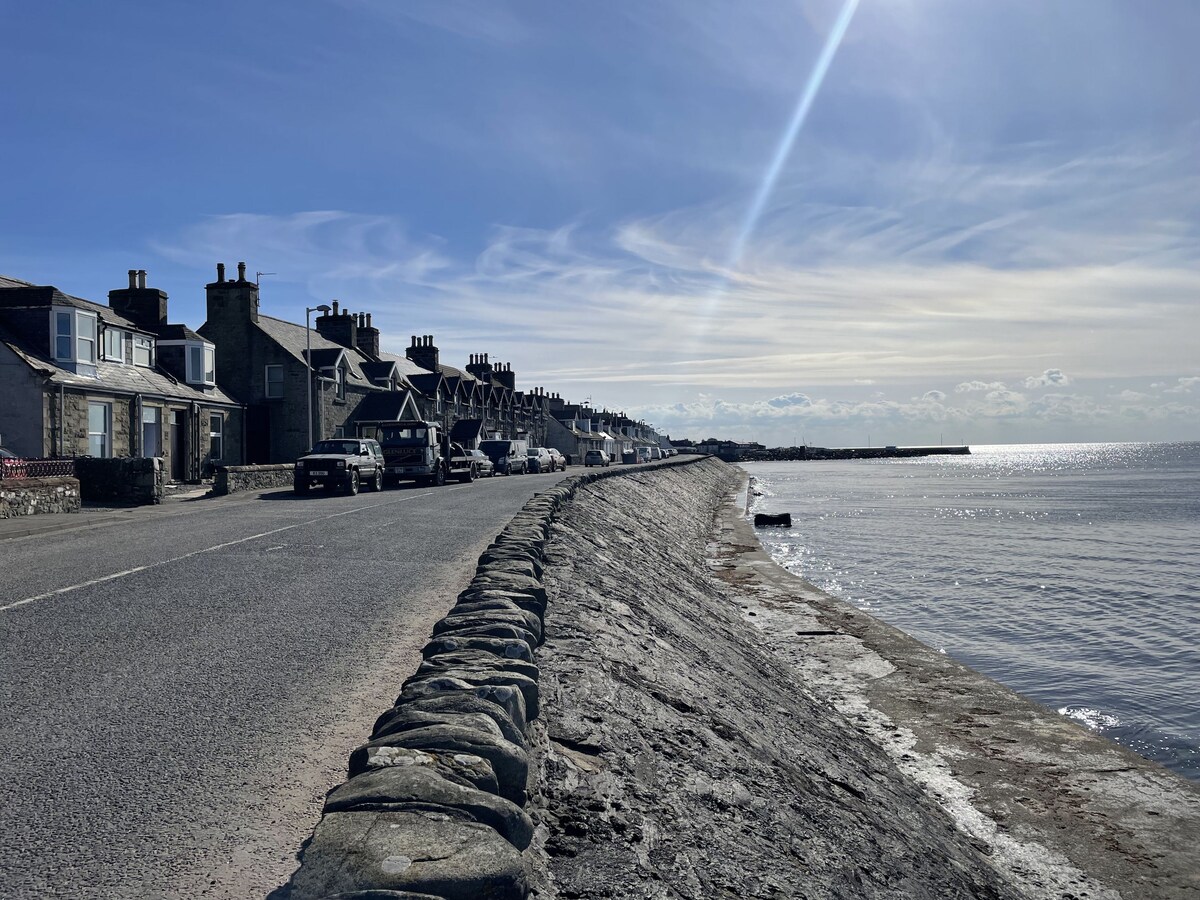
341, 462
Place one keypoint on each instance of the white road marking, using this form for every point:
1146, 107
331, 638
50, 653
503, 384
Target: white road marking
166, 562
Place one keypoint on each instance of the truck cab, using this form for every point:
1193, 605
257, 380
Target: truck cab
420, 451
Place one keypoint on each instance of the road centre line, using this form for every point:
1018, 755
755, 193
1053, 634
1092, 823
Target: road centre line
166, 562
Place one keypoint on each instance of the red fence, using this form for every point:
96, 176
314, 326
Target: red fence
36, 468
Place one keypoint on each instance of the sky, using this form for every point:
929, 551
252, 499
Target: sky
984, 230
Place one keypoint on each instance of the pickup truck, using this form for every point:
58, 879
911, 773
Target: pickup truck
347, 463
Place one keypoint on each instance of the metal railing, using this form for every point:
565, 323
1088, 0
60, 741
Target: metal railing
11, 469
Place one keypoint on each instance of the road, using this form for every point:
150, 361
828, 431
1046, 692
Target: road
180, 686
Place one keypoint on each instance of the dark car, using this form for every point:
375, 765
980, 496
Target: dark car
595, 458
508, 456
7, 454
344, 463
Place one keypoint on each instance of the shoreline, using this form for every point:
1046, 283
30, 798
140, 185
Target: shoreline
1045, 793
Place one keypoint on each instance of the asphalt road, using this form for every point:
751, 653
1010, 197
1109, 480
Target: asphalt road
180, 686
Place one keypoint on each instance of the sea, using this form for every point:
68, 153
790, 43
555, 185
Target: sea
1069, 572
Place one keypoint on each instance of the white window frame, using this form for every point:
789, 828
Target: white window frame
146, 345
79, 338
216, 438
200, 361
267, 382
105, 434
114, 344
339, 378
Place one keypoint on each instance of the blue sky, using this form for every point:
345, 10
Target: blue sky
985, 231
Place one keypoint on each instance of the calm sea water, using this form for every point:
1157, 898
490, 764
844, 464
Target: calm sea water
1069, 572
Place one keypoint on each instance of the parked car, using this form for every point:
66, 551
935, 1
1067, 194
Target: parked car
507, 456
539, 460
7, 454
643, 454
483, 466
559, 461
345, 463
656, 453
596, 458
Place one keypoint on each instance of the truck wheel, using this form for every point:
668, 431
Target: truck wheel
377, 481
468, 476
439, 477
352, 484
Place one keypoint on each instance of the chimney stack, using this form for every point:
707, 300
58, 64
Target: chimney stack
231, 303
339, 326
367, 337
423, 352
220, 274
144, 306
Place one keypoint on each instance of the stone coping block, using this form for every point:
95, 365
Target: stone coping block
509, 761
393, 788
461, 768
449, 705
429, 853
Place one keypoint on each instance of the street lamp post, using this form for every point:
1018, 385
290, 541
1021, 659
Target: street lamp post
322, 308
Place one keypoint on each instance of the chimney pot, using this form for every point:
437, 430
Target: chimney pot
142, 278
241, 271
132, 278
368, 320
220, 274
335, 307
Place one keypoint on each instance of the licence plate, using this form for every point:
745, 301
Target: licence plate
320, 472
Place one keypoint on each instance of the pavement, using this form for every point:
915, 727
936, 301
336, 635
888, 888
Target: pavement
92, 514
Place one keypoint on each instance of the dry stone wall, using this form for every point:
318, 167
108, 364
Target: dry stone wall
31, 496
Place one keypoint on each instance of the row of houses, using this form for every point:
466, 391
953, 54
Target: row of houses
79, 378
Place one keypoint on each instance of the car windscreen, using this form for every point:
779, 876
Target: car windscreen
403, 437
341, 448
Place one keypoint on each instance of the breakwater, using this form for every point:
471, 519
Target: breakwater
705, 724
803, 454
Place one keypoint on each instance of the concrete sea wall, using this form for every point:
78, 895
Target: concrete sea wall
626, 702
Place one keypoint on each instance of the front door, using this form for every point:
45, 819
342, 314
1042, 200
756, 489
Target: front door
178, 445
258, 434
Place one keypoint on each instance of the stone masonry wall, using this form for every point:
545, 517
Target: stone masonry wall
235, 479
31, 496
137, 480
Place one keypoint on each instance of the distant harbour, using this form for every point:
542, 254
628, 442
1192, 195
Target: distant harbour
1066, 571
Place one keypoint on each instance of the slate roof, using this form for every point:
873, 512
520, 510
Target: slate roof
404, 365
382, 406
466, 430
45, 295
293, 338
121, 378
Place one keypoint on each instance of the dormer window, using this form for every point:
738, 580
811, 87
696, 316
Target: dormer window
201, 363
339, 378
143, 351
74, 334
